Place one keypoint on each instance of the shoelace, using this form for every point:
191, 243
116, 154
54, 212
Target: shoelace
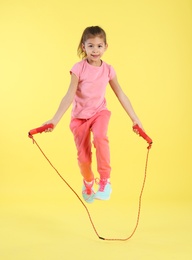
88, 188
102, 183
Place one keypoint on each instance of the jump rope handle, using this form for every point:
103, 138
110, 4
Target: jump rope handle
40, 129
144, 135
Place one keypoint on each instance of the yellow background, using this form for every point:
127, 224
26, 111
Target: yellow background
150, 48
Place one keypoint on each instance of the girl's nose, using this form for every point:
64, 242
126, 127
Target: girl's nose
95, 49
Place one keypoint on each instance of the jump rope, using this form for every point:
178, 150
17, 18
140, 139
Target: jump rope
141, 133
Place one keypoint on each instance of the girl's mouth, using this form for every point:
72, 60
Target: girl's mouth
95, 56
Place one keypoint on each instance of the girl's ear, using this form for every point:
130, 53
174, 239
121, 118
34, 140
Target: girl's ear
106, 46
83, 46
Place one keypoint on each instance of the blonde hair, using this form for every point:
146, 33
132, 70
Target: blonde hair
90, 32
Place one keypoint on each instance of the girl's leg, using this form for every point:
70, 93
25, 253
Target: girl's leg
81, 132
101, 143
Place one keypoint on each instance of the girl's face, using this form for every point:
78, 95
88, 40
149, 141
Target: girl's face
94, 49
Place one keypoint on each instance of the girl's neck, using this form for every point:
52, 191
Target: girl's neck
95, 63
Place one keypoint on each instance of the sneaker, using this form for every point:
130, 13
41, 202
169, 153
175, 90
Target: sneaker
88, 192
104, 190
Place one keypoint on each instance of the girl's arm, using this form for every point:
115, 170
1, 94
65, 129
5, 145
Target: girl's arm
65, 102
125, 102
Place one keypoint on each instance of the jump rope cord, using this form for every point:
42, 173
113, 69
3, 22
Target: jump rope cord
89, 215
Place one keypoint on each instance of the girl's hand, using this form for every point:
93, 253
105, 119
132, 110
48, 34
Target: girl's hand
139, 124
49, 129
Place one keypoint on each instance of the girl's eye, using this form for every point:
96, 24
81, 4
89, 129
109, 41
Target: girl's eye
99, 46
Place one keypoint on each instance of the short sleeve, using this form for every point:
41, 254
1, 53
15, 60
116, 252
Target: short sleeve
112, 73
76, 70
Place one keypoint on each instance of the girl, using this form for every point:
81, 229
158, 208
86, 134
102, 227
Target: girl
89, 79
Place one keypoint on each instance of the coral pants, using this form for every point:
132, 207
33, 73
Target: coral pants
81, 129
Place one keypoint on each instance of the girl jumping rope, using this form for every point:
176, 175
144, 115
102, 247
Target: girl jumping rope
89, 79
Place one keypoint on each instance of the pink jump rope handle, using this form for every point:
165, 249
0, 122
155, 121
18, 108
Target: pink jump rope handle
40, 129
143, 134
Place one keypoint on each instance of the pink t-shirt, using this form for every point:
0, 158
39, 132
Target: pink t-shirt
90, 94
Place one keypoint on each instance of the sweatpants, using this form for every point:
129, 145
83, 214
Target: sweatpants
83, 130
